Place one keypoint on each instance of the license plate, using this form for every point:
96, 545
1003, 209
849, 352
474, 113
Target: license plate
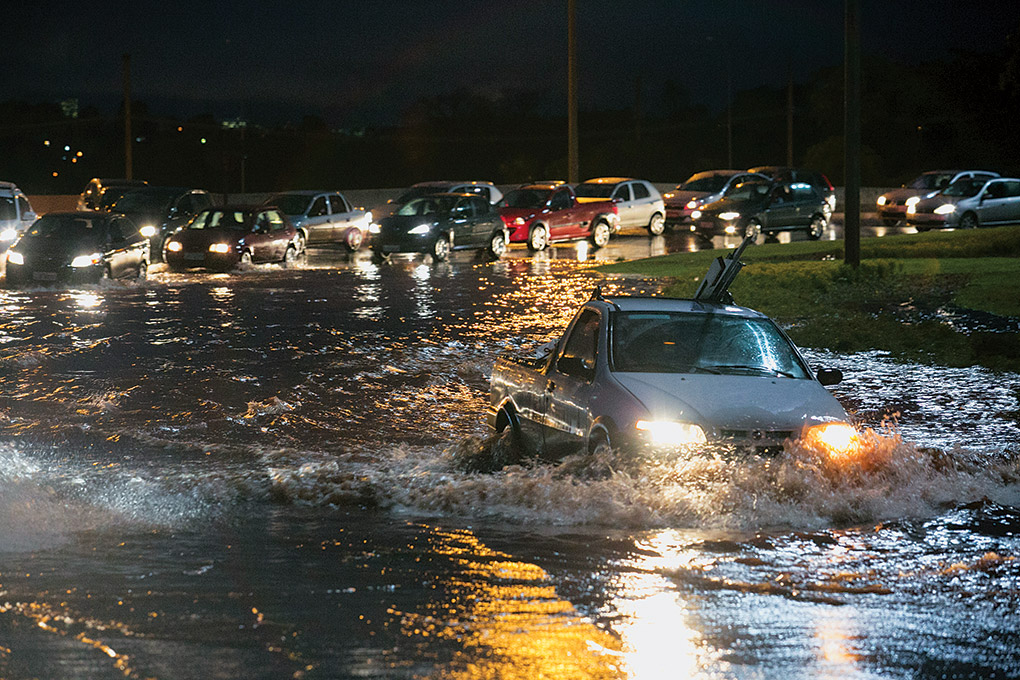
390, 249
44, 276
194, 257
707, 225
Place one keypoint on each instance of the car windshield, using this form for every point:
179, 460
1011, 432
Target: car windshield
695, 342
219, 219
965, 187
69, 229
931, 181
594, 190
291, 204
526, 198
709, 184
428, 205
416, 192
111, 195
142, 201
747, 190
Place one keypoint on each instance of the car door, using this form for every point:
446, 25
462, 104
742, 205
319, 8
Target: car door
123, 254
484, 221
268, 238
340, 214
807, 201
1011, 203
561, 216
642, 204
569, 386
621, 196
461, 223
318, 221
781, 212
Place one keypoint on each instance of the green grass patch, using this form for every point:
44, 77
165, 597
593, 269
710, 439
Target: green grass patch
895, 301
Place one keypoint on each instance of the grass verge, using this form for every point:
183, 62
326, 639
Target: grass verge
905, 298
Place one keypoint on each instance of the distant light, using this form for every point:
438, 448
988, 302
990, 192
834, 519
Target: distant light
79, 154
138, 139
67, 148
180, 129
55, 173
202, 140
46, 142
74, 160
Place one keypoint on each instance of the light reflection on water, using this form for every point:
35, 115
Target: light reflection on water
168, 407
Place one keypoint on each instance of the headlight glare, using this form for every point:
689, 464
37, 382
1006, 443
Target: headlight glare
727, 216
913, 200
219, 248
882, 200
87, 260
695, 214
374, 228
420, 229
14, 257
837, 439
671, 433
945, 209
174, 246
8, 234
148, 231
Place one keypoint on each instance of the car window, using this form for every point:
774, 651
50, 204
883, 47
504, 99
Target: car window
710, 184
122, 229
481, 205
622, 193
995, 190
7, 208
640, 191
339, 204
275, 220
218, 219
1012, 188
578, 357
560, 200
201, 201
464, 208
23, 205
965, 187
318, 208
688, 342
803, 192
594, 190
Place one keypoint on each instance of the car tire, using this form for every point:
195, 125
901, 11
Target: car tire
507, 449
657, 225
600, 234
246, 259
538, 238
143, 270
440, 250
290, 256
816, 228
599, 443
353, 240
301, 243
890, 221
968, 221
497, 245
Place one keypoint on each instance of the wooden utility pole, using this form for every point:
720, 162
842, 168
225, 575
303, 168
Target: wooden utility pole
573, 164
128, 162
852, 137
789, 120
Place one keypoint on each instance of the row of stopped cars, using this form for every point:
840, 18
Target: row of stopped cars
652, 374
763, 199
438, 217
962, 199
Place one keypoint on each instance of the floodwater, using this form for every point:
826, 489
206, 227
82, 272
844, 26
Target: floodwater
259, 475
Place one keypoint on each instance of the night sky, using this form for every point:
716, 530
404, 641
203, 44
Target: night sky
363, 62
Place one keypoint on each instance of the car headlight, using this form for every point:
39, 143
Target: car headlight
727, 216
945, 209
421, 229
220, 248
148, 231
519, 221
912, 209
14, 257
692, 204
837, 439
668, 195
695, 214
174, 246
670, 433
87, 260
8, 234
882, 200
374, 228
913, 200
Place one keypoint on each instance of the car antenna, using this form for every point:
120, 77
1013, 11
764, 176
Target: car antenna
715, 286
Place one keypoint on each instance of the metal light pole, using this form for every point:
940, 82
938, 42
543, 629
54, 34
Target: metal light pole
127, 117
852, 138
573, 164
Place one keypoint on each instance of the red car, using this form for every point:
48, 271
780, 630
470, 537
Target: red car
222, 238
540, 214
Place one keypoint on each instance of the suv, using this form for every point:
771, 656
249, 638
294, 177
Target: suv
816, 179
160, 211
757, 206
893, 205
91, 196
638, 202
15, 213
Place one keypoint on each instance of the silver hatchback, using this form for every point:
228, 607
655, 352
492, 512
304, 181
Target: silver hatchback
639, 203
969, 203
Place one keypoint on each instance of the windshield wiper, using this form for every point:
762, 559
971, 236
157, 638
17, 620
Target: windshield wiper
744, 367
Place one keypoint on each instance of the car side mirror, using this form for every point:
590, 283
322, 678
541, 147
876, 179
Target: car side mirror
830, 376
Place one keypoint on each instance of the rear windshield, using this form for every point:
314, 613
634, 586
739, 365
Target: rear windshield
525, 198
691, 342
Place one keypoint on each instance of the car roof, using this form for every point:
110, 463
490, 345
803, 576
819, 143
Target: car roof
543, 185
306, 192
447, 183
607, 180
641, 303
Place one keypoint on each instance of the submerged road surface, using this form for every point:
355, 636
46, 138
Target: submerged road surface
258, 475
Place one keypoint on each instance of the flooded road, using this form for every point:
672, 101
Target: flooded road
259, 475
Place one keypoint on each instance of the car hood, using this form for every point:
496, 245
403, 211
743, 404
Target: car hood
679, 198
733, 401
904, 193
203, 237
405, 223
927, 205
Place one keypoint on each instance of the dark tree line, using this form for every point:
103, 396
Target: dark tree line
959, 112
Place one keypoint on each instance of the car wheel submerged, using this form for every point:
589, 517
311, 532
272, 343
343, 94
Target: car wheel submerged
968, 221
246, 259
497, 245
600, 234
538, 238
441, 248
143, 270
290, 256
817, 227
353, 240
657, 225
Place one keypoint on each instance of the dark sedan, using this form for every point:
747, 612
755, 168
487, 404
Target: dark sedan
78, 247
222, 238
438, 223
756, 207
160, 211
